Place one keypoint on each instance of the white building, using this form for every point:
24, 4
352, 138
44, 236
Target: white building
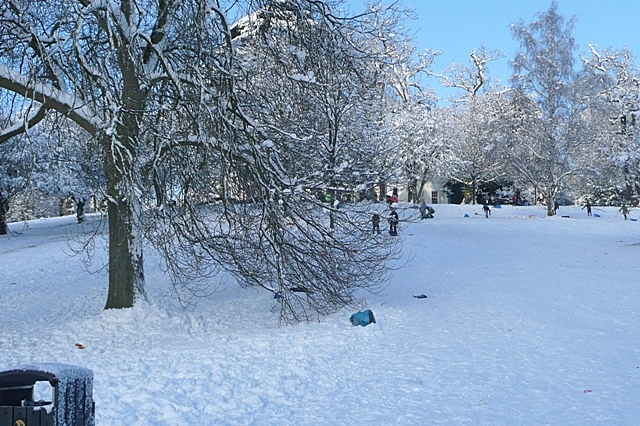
432, 193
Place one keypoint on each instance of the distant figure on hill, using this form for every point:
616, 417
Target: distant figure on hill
375, 222
556, 206
80, 210
625, 211
487, 211
588, 207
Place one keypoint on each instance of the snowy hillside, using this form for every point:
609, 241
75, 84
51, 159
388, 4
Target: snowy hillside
529, 320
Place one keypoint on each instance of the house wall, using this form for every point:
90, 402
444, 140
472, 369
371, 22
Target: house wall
432, 193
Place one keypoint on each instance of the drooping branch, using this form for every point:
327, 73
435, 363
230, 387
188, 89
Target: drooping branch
21, 127
52, 98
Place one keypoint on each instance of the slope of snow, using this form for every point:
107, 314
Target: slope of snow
529, 320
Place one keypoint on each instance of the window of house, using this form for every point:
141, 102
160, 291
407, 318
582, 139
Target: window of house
434, 197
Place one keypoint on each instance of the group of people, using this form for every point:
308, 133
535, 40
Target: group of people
588, 207
624, 210
426, 212
393, 220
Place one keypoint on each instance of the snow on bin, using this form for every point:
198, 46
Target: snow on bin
71, 401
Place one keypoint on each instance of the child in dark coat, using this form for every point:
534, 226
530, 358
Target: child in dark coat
393, 222
375, 222
487, 211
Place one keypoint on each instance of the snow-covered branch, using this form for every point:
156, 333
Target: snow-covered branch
51, 97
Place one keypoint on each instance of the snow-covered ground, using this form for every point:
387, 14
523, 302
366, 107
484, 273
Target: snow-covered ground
529, 320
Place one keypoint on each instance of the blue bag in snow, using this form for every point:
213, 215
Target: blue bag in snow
362, 318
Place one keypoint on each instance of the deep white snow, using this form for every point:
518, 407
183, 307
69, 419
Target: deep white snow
529, 320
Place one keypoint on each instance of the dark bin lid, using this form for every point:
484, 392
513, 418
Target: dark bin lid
52, 372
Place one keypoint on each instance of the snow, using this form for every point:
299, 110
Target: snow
308, 78
528, 320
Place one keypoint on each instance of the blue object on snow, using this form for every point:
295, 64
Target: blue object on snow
497, 206
466, 215
420, 296
633, 220
596, 215
277, 296
362, 318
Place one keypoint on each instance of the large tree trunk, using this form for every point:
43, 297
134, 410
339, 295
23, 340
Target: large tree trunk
551, 211
382, 191
412, 196
419, 191
474, 190
126, 273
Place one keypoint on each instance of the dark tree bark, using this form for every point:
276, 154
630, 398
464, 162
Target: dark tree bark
4, 210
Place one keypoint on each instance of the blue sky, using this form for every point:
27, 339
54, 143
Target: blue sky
456, 27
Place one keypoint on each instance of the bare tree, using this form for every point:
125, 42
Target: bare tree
545, 69
420, 150
474, 145
473, 78
270, 230
611, 87
331, 92
112, 68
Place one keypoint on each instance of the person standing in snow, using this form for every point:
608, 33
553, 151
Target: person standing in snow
625, 211
375, 221
393, 222
588, 207
556, 206
423, 210
487, 211
80, 209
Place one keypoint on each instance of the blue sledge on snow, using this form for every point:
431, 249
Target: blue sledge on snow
363, 318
